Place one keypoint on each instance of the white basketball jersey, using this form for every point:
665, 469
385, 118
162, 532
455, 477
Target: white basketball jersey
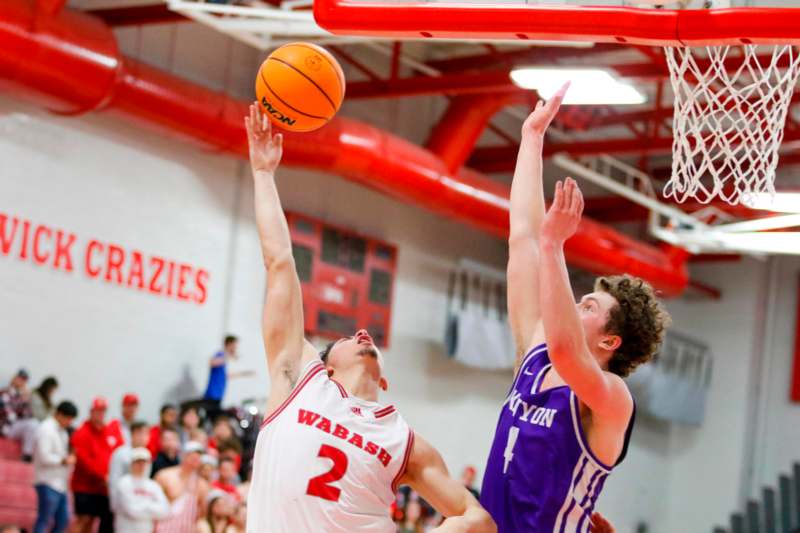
327, 462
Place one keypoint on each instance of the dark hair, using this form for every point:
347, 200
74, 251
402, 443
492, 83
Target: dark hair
326, 352
187, 408
45, 390
639, 318
229, 339
169, 430
137, 425
67, 408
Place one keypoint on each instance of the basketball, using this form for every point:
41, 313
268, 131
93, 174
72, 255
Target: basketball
300, 86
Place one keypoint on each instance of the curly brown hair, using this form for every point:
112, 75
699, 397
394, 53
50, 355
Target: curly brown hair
639, 318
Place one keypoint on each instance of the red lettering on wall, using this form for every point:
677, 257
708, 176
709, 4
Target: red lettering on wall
115, 257
23, 250
170, 277
184, 270
158, 264
7, 240
201, 279
63, 250
113, 263
38, 256
92, 246
136, 270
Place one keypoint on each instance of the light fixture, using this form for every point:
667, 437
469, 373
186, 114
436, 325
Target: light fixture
781, 202
589, 86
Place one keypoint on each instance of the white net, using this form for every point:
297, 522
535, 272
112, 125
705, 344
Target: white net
730, 109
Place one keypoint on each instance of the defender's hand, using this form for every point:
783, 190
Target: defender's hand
543, 114
265, 149
564, 215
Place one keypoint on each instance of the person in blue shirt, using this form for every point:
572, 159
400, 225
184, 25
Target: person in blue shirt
219, 374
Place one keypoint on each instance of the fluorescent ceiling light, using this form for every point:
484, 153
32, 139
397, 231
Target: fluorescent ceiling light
782, 202
589, 86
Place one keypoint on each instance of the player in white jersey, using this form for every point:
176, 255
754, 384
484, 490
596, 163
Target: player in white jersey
329, 457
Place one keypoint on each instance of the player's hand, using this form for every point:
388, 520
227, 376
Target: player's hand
564, 215
601, 525
265, 149
543, 114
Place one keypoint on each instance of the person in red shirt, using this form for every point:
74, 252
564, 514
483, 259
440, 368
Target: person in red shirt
228, 478
130, 406
168, 419
93, 442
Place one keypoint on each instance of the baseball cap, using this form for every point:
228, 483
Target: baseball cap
213, 494
210, 460
140, 454
193, 447
22, 373
99, 404
130, 399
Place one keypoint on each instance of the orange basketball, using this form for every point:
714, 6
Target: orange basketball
300, 86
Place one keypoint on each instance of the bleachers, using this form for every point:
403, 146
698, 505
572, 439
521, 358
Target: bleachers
17, 495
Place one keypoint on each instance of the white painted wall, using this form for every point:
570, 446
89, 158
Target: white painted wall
103, 179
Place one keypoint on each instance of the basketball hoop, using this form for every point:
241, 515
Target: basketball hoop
730, 109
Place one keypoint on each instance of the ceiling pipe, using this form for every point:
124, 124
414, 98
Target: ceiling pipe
454, 137
71, 63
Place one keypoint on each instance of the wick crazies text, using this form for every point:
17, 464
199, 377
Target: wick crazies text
111, 263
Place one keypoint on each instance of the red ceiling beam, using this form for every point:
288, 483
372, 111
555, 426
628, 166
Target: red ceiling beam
138, 15
463, 83
503, 158
531, 56
453, 138
613, 209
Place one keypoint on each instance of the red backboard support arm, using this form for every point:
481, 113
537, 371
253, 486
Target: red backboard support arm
601, 24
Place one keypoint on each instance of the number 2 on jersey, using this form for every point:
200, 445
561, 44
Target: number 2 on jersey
320, 486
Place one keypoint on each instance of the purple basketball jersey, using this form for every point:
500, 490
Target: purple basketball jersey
541, 475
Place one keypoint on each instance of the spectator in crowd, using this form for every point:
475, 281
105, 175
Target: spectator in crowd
225, 441
16, 416
42, 398
468, 479
219, 375
198, 435
130, 406
122, 456
168, 418
168, 451
93, 442
138, 500
412, 521
52, 461
218, 515
228, 478
189, 424
239, 519
185, 490
9, 529
208, 469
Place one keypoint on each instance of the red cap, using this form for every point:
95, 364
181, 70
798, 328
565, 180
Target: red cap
99, 404
130, 399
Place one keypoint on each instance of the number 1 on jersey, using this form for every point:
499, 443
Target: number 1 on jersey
320, 486
508, 455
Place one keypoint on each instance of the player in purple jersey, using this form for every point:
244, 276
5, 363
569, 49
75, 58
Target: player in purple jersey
568, 416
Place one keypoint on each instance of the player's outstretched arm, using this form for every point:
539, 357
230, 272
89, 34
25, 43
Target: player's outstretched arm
526, 215
282, 322
604, 393
427, 474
